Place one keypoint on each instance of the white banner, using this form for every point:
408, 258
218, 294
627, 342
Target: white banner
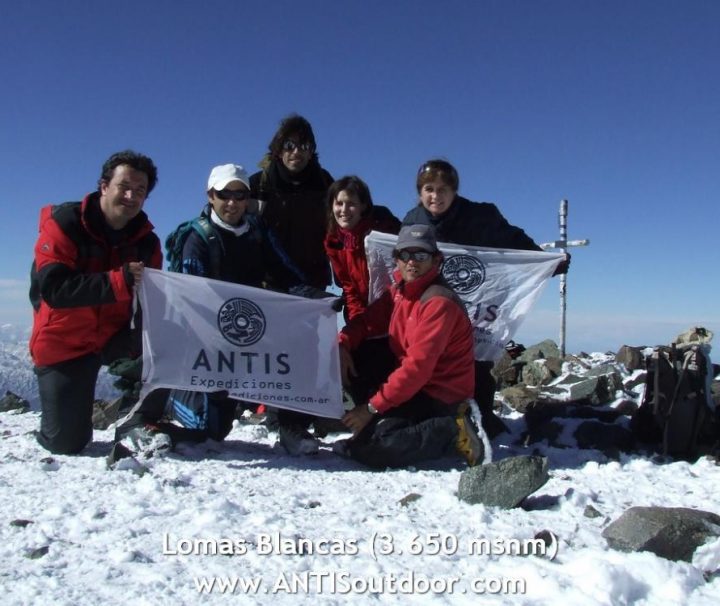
260, 346
498, 286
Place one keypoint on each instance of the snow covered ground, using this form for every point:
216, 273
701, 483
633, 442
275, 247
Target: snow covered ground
243, 518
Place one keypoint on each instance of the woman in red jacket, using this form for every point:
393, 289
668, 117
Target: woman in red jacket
351, 216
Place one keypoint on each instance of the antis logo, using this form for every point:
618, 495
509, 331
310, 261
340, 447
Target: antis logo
464, 273
241, 322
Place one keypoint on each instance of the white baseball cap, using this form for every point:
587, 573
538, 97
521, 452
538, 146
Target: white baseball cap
221, 175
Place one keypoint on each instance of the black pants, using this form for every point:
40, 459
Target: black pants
422, 429
485, 397
67, 393
374, 361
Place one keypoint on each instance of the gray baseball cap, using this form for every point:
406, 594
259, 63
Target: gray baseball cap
417, 236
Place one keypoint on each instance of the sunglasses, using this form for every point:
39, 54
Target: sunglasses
417, 255
440, 166
233, 194
290, 146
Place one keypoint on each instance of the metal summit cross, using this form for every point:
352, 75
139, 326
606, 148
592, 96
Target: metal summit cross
562, 245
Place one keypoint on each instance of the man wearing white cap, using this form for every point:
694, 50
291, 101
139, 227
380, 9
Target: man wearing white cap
227, 242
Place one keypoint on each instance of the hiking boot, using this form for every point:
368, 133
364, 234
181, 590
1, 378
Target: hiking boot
297, 440
342, 448
468, 442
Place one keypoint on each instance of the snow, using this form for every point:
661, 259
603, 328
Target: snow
242, 511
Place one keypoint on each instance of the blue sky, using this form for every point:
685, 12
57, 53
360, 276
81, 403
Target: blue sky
614, 105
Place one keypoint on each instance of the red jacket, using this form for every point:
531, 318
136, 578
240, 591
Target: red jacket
79, 291
432, 340
346, 251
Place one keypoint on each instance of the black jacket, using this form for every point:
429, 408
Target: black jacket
294, 209
253, 258
473, 224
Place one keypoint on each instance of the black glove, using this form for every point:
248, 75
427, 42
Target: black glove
338, 304
563, 266
310, 292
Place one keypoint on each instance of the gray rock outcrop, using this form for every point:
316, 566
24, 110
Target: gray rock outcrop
504, 483
673, 533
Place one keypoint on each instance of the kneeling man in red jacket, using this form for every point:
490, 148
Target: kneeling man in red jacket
421, 411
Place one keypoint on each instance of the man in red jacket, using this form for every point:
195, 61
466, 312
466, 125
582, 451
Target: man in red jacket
421, 411
89, 256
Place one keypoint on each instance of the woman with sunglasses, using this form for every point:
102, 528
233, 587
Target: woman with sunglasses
457, 220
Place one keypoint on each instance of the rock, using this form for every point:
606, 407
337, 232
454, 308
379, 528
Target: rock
547, 430
632, 382
626, 407
49, 464
673, 533
506, 371
630, 357
39, 552
105, 413
545, 349
591, 512
11, 401
503, 483
519, 397
597, 389
409, 498
541, 372
604, 436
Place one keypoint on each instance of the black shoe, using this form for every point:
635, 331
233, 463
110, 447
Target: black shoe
297, 440
492, 424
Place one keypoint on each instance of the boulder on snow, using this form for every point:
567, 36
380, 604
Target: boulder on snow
11, 401
543, 350
673, 533
630, 357
503, 483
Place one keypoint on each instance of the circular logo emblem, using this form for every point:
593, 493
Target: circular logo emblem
241, 322
464, 273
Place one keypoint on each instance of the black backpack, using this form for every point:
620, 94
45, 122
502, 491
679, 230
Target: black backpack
677, 414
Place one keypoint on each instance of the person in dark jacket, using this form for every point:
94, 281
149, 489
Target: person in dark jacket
290, 191
89, 256
420, 410
250, 253
351, 216
457, 220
